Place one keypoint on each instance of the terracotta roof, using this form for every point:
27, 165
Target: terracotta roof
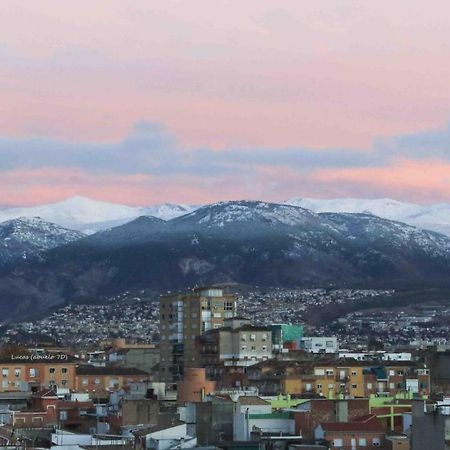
252, 400
108, 370
367, 423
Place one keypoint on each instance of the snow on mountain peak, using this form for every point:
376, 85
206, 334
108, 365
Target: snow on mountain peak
87, 215
27, 236
432, 217
222, 213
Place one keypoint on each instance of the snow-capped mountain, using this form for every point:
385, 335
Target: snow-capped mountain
24, 237
167, 211
90, 216
219, 215
431, 217
245, 242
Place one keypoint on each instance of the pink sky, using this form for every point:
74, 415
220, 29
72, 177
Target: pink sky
221, 76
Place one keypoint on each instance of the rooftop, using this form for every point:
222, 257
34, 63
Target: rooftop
252, 400
108, 370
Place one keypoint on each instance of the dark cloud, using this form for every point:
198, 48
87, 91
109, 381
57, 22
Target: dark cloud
150, 149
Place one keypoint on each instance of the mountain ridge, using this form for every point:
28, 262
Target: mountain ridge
245, 242
90, 216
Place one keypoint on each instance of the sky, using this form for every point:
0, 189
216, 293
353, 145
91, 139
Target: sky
143, 102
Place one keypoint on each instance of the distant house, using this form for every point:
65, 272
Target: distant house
365, 431
102, 380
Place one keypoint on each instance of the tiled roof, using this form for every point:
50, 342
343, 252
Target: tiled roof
368, 424
252, 400
92, 370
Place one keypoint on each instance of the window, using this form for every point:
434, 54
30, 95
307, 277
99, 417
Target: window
369, 386
18, 372
331, 386
97, 381
330, 372
391, 385
63, 415
354, 386
319, 386
244, 347
362, 442
243, 337
253, 337
399, 372
391, 373
264, 337
5, 372
308, 387
228, 306
85, 381
63, 382
376, 442
52, 370
264, 348
338, 443
253, 348
32, 372
354, 373
5, 384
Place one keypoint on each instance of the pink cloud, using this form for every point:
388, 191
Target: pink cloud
424, 181
336, 74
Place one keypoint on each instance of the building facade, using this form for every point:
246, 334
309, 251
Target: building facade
236, 345
183, 317
28, 373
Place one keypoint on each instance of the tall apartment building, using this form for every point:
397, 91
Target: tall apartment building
183, 317
228, 351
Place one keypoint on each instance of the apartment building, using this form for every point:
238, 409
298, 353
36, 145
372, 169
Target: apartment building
344, 378
273, 377
100, 381
364, 378
183, 317
319, 344
331, 378
31, 372
238, 344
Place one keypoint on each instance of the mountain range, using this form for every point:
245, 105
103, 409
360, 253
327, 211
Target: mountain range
23, 238
89, 216
431, 217
245, 242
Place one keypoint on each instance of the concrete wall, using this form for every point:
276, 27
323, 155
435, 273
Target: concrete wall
428, 428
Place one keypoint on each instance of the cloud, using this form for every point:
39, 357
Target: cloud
149, 166
150, 149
